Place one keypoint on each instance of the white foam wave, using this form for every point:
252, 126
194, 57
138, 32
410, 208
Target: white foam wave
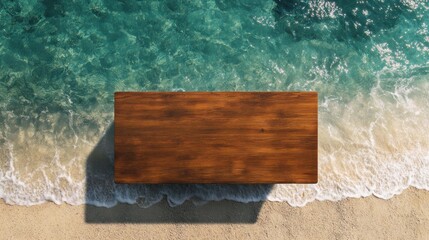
375, 144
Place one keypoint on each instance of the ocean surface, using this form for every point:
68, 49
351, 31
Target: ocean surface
61, 62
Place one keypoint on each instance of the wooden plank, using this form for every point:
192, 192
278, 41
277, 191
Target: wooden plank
216, 137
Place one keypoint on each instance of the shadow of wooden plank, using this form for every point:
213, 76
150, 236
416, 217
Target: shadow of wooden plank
212, 212
101, 191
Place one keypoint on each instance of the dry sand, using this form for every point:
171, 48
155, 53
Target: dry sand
405, 216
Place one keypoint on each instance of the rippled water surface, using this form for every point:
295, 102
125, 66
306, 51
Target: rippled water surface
61, 61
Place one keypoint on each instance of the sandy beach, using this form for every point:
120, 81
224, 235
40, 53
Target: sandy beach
405, 216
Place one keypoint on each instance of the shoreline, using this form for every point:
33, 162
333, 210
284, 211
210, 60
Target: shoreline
405, 216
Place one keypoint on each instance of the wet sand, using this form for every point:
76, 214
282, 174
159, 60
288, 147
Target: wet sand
405, 216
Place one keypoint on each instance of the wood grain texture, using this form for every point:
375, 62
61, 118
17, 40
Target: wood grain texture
216, 137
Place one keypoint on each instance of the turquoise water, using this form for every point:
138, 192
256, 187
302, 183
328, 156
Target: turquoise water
61, 61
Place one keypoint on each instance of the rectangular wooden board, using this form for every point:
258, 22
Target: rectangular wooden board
215, 137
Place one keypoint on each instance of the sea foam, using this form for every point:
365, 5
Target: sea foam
370, 146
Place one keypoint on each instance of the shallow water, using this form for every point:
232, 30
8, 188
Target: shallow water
61, 61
